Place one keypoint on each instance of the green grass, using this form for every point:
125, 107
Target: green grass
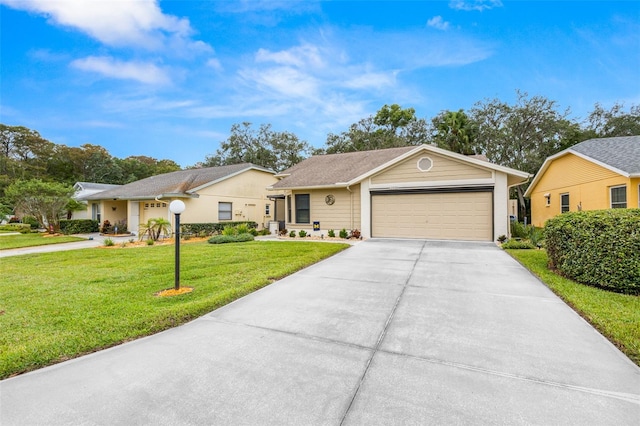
32, 240
616, 316
56, 306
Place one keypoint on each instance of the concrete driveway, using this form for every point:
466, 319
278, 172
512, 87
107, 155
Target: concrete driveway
388, 332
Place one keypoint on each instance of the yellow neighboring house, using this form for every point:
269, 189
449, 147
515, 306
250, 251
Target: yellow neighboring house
595, 174
232, 193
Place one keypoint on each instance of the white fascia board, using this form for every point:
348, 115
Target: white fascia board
302, 188
445, 153
435, 184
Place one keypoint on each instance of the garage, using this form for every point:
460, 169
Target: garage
464, 215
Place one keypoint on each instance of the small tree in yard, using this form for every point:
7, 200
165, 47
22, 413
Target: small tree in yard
154, 228
45, 201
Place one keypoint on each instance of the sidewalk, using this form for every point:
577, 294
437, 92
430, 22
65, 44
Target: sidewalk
92, 240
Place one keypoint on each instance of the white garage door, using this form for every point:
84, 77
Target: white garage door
448, 216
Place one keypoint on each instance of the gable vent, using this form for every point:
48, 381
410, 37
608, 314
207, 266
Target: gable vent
425, 164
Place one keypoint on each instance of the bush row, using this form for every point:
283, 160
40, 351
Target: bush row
599, 248
79, 226
211, 228
23, 228
222, 239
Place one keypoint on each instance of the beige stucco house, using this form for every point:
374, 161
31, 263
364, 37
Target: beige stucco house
85, 189
211, 195
596, 174
408, 192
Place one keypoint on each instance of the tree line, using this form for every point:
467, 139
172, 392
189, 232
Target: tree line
519, 135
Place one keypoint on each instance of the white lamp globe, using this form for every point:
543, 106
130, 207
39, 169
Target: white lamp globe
176, 206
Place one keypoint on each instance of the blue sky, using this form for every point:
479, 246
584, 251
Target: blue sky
167, 79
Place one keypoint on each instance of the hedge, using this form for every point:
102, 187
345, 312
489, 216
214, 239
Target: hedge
599, 248
23, 228
211, 228
79, 226
223, 239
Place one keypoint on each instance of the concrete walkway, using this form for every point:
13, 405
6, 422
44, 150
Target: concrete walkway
387, 332
92, 240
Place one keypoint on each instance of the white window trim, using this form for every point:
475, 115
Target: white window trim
626, 200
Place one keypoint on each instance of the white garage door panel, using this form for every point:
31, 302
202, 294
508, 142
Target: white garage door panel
451, 216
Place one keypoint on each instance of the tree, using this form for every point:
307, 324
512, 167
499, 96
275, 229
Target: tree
45, 201
453, 130
604, 123
23, 152
264, 147
391, 127
522, 135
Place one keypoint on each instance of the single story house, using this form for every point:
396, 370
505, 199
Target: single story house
84, 189
593, 175
407, 192
211, 195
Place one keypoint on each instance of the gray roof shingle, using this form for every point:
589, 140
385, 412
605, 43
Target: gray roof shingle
330, 169
622, 153
181, 182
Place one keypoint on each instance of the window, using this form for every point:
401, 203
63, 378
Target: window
267, 209
564, 203
303, 214
619, 197
224, 211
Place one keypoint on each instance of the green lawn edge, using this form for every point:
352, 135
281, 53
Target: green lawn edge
616, 316
62, 305
8, 242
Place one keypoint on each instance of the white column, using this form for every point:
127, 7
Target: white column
365, 209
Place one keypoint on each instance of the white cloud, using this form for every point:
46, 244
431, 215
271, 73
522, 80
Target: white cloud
438, 23
107, 66
215, 64
115, 23
298, 56
478, 5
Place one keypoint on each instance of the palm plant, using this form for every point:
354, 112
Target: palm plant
154, 228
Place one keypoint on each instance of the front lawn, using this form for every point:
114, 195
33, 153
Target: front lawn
56, 306
31, 240
616, 316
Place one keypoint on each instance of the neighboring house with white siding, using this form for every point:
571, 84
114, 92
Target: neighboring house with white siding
408, 192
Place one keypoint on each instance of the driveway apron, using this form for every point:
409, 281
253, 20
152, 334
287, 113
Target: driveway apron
406, 332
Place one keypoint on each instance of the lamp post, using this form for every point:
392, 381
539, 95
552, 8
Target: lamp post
176, 207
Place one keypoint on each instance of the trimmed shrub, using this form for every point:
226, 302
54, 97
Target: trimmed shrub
599, 248
344, 233
302, 233
79, 226
292, 234
222, 239
23, 228
206, 229
518, 245
331, 233
108, 242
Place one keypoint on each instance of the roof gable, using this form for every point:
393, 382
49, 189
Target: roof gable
618, 154
182, 183
353, 167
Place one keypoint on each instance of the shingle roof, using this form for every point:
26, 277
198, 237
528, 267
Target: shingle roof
330, 169
347, 168
180, 183
622, 153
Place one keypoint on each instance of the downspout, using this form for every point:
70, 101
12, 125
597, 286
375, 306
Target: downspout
350, 205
